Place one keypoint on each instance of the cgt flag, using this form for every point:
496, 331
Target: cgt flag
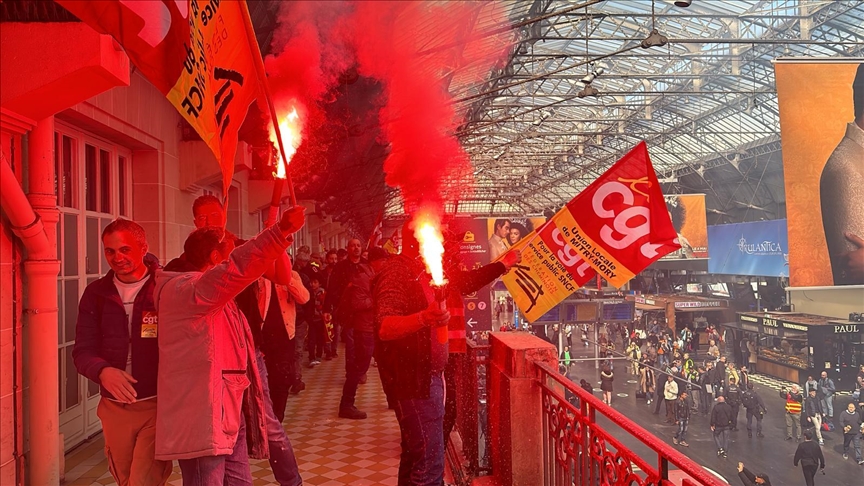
615, 228
196, 52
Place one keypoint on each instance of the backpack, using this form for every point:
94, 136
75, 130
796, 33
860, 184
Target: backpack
749, 400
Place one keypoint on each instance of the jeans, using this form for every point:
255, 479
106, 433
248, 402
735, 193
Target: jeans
828, 405
230, 470
421, 422
721, 438
300, 330
704, 402
348, 338
758, 416
735, 409
856, 444
282, 460
316, 339
361, 356
793, 424
682, 430
670, 411
809, 474
280, 378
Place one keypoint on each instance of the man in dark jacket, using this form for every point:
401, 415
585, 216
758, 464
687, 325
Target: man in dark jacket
850, 423
750, 479
412, 355
755, 409
682, 418
813, 414
810, 456
733, 398
721, 422
116, 347
350, 299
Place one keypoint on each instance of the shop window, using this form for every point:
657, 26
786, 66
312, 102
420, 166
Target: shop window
66, 180
104, 181
122, 183
90, 188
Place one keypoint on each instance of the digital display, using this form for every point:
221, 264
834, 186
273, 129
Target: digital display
694, 288
554, 315
582, 312
719, 289
618, 312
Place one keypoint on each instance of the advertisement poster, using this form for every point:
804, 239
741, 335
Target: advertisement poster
504, 233
616, 227
689, 219
822, 136
474, 253
760, 249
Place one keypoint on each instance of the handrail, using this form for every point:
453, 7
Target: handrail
665, 452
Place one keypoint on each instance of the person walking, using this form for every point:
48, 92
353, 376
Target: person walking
670, 395
827, 389
810, 456
794, 400
682, 417
850, 422
721, 422
606, 379
733, 398
755, 408
814, 413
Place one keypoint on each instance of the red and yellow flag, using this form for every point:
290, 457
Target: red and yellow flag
196, 52
615, 228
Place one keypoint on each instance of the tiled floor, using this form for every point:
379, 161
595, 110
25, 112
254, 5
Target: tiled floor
330, 450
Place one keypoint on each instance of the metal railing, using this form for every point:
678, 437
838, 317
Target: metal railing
472, 413
577, 450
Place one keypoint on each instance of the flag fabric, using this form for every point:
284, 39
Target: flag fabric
614, 229
196, 52
377, 231
392, 243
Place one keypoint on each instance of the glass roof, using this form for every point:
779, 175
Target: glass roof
536, 134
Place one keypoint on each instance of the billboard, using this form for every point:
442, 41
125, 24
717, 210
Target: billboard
474, 252
690, 221
504, 233
822, 135
759, 249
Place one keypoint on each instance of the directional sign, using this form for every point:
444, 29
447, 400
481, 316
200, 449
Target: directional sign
471, 323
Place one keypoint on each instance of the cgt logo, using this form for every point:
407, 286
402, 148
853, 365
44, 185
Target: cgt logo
149, 317
637, 216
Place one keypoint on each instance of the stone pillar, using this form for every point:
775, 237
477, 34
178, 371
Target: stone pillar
516, 408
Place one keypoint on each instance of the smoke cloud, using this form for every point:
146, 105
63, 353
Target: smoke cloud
417, 51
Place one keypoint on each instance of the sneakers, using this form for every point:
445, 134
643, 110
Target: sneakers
845, 456
674, 441
313, 363
749, 434
861, 462
352, 413
723, 453
821, 442
649, 402
297, 388
759, 434
788, 438
683, 444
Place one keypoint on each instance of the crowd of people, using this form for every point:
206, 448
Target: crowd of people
196, 361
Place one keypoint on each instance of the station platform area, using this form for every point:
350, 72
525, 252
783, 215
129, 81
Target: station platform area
330, 450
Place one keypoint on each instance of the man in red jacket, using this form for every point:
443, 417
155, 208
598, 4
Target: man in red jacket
115, 347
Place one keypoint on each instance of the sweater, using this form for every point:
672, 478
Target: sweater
809, 454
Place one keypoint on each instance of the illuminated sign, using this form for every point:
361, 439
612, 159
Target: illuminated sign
846, 328
691, 305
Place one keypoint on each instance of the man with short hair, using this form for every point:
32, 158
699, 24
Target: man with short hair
810, 456
733, 398
208, 363
755, 409
498, 240
794, 401
116, 348
670, 395
851, 423
682, 417
721, 422
827, 389
349, 298
813, 412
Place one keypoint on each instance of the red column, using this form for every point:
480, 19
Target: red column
516, 408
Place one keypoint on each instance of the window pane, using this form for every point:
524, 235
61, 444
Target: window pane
58, 168
72, 380
70, 309
92, 389
90, 177
60, 315
103, 223
92, 243
67, 187
60, 379
104, 181
70, 244
121, 185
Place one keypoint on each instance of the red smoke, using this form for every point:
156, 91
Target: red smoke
413, 49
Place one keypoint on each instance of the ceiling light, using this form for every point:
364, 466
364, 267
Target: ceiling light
683, 3
654, 39
588, 91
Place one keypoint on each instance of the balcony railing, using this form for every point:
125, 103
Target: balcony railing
543, 429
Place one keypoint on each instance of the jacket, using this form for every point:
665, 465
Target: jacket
682, 410
733, 395
826, 387
812, 407
349, 296
721, 415
207, 356
852, 420
288, 297
102, 333
405, 364
670, 390
749, 479
809, 454
794, 402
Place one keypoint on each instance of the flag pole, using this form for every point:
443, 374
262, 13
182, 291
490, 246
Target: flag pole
278, 183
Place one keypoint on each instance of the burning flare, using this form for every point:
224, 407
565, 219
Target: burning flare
289, 128
431, 242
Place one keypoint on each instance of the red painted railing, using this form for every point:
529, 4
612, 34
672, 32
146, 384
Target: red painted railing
471, 392
579, 451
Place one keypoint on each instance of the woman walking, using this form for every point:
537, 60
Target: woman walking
606, 378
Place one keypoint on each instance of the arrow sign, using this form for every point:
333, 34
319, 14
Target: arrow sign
471, 322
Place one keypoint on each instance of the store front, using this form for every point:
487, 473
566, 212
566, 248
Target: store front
682, 311
791, 346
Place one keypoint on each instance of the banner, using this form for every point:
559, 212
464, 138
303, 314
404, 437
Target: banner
622, 227
822, 137
759, 249
196, 52
689, 219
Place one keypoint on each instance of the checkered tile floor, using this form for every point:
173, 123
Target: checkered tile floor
330, 450
778, 384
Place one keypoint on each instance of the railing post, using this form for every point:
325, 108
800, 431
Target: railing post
515, 406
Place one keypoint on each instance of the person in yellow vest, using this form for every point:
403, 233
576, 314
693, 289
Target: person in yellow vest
794, 399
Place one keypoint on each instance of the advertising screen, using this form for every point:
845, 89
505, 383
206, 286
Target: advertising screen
689, 219
822, 137
760, 248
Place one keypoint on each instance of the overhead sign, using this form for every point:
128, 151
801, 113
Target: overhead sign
699, 304
758, 249
474, 253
